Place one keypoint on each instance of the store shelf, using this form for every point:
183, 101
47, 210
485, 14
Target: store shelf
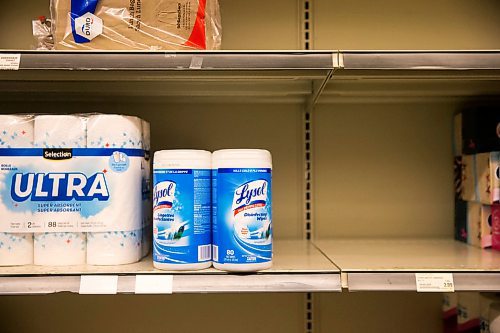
298, 267
385, 264
415, 76
181, 76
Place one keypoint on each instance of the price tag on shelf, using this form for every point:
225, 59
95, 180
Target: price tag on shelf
99, 284
9, 61
435, 282
154, 284
196, 62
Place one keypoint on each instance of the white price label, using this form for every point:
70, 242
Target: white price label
153, 284
435, 282
10, 61
196, 62
99, 284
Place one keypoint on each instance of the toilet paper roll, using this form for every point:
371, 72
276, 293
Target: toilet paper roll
60, 131
60, 248
16, 249
116, 247
146, 134
114, 131
494, 318
147, 206
16, 131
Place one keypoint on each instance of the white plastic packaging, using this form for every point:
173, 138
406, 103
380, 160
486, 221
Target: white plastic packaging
66, 177
181, 209
242, 209
136, 24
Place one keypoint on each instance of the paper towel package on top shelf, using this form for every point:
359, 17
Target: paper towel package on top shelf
136, 25
71, 189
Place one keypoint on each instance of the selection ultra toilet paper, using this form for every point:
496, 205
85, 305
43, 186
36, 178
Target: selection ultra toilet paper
72, 176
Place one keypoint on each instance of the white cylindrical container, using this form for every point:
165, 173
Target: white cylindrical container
242, 209
181, 209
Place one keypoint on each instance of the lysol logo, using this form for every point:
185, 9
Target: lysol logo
250, 195
59, 187
163, 195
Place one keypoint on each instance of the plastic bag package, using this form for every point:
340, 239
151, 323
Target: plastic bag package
74, 189
42, 33
136, 24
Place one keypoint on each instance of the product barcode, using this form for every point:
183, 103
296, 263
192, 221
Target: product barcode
204, 252
215, 253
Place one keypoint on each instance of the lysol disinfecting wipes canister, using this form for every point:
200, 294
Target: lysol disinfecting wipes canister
242, 214
181, 209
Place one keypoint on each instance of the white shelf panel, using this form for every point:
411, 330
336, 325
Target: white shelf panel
298, 267
413, 76
420, 60
387, 264
256, 76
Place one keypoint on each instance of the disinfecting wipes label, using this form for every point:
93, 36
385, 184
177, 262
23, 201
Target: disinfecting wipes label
181, 216
242, 215
81, 189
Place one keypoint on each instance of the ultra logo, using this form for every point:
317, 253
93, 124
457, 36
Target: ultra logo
250, 195
163, 195
59, 187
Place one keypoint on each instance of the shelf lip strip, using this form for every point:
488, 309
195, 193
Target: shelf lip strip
421, 60
161, 61
382, 281
183, 284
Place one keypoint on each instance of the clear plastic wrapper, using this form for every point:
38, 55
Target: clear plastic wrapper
71, 189
42, 33
136, 24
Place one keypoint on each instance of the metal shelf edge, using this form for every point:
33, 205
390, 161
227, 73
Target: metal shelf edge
183, 284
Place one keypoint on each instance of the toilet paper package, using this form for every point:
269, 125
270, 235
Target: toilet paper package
16, 131
488, 177
82, 174
449, 312
485, 302
468, 310
479, 223
136, 24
